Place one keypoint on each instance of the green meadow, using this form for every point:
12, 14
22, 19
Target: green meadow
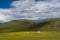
30, 36
27, 30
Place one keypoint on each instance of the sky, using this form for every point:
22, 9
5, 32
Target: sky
6, 3
29, 9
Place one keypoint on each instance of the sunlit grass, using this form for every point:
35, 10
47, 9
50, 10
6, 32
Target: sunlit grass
30, 35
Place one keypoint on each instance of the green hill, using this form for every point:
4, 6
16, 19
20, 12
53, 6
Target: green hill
30, 25
49, 25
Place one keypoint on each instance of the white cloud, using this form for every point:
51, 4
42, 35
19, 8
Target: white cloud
29, 9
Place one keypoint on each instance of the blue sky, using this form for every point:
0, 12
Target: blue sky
5, 3
29, 9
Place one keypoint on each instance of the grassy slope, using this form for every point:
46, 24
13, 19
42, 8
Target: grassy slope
49, 25
16, 25
24, 25
29, 25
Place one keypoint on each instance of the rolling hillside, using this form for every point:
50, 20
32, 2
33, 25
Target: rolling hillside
30, 25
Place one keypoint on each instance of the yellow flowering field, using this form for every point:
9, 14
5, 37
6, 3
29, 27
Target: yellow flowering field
30, 36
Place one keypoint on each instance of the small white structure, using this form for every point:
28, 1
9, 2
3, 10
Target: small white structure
38, 32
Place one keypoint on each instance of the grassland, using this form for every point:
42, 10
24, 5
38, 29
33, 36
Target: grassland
26, 30
30, 36
31, 25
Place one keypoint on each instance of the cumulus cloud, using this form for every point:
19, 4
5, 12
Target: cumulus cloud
32, 10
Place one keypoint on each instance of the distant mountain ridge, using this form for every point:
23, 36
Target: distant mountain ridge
31, 25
